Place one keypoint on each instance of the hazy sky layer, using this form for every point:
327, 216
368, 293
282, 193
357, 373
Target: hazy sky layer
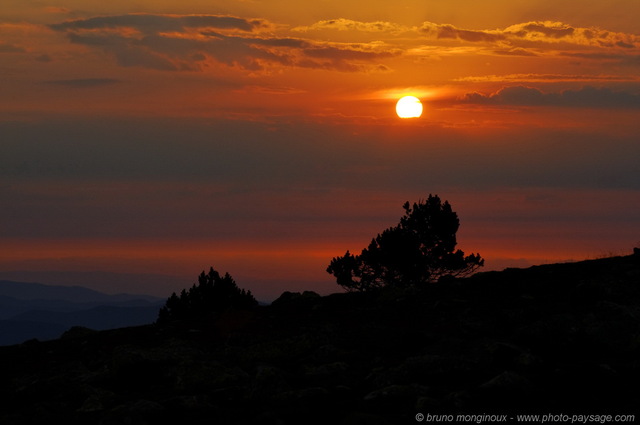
261, 137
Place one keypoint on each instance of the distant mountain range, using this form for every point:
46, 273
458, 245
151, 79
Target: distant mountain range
33, 310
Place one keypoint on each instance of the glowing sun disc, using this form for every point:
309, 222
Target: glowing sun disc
409, 107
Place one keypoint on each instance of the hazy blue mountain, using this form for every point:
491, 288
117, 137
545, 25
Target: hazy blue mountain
11, 307
32, 310
107, 282
17, 331
98, 318
33, 291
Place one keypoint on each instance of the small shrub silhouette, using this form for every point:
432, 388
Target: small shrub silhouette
420, 249
212, 294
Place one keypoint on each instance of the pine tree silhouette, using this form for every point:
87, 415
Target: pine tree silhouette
212, 294
420, 249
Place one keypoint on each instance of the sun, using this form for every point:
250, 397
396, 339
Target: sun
409, 107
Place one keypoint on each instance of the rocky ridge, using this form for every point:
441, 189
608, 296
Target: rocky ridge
553, 338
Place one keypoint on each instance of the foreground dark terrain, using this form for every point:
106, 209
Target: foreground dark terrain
561, 338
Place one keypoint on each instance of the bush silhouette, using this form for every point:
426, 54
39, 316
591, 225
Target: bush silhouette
212, 294
420, 249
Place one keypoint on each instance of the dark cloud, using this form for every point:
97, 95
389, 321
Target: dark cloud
253, 154
588, 97
444, 31
524, 33
529, 78
552, 31
621, 58
549, 31
342, 24
532, 33
600, 97
625, 45
148, 23
43, 58
153, 47
157, 51
515, 52
84, 82
595, 55
331, 52
11, 48
296, 43
128, 52
449, 31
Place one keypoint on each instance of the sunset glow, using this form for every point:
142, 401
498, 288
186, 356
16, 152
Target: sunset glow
162, 137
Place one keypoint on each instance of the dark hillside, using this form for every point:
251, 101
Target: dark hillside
562, 338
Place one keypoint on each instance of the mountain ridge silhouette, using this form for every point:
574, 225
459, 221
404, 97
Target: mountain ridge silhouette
558, 338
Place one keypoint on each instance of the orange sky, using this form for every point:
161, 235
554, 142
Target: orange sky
261, 138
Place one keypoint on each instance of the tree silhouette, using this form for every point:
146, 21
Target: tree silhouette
420, 249
212, 294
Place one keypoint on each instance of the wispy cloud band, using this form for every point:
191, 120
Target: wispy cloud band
587, 97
